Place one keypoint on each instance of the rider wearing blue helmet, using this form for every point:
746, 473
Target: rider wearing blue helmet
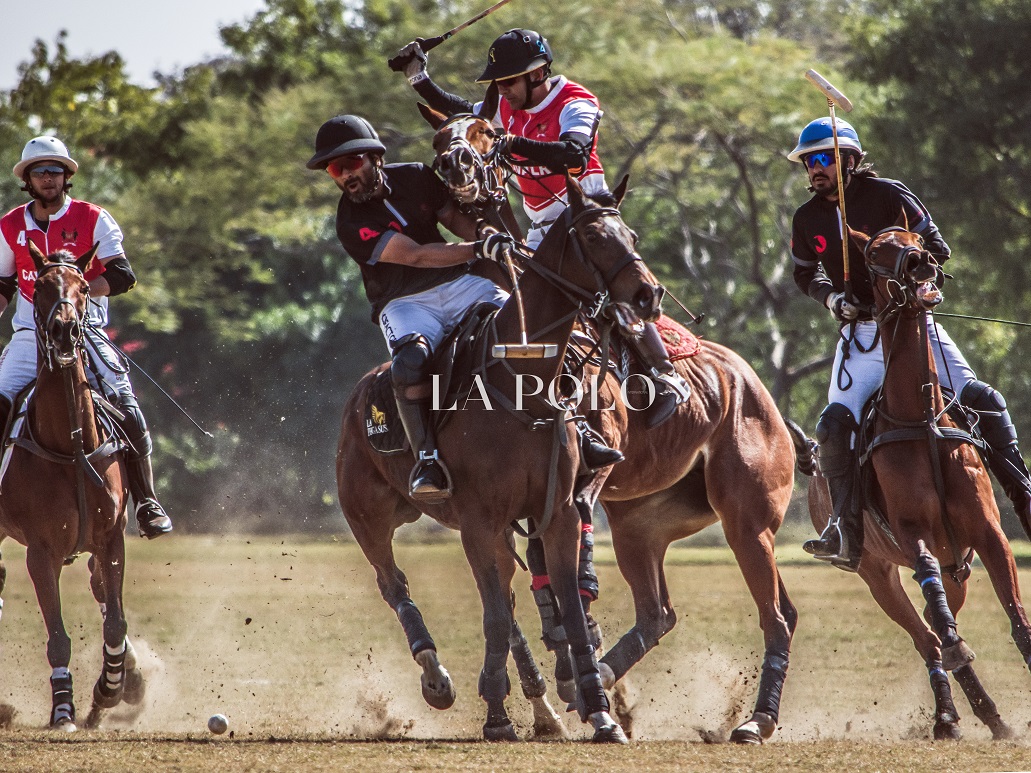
872, 204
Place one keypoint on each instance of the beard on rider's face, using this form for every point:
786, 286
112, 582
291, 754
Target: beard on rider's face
362, 185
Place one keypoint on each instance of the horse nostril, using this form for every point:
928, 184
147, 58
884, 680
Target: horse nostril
465, 158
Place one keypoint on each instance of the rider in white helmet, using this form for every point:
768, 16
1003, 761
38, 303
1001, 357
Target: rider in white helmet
54, 221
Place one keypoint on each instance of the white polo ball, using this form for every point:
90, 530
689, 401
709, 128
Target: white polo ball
218, 724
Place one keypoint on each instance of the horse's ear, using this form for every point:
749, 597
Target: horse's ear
83, 261
577, 200
903, 221
433, 118
859, 238
37, 256
491, 100
620, 191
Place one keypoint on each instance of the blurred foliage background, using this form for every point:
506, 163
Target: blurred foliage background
249, 313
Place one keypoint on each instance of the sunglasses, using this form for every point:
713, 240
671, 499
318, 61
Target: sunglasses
41, 171
338, 166
823, 159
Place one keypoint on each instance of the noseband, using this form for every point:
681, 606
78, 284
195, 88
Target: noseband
50, 352
490, 190
900, 286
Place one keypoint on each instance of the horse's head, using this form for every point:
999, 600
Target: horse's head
463, 145
610, 250
905, 275
60, 302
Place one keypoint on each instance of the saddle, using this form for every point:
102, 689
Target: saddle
18, 431
462, 351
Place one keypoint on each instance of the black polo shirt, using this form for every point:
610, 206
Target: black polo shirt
871, 204
415, 196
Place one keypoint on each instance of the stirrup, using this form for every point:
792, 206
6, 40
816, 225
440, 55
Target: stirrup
430, 492
816, 547
675, 382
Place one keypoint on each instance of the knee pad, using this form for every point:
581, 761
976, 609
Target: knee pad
834, 433
411, 360
982, 397
135, 427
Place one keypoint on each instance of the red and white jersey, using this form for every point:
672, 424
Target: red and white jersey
568, 107
76, 227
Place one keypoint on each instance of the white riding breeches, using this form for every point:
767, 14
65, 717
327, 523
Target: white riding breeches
435, 312
856, 377
18, 364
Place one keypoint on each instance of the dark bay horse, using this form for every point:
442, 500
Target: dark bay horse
507, 462
932, 502
64, 491
725, 455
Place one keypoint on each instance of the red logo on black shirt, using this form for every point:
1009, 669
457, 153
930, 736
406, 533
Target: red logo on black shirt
367, 234
821, 244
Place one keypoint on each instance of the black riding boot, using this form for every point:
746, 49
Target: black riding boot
151, 517
670, 388
5, 416
429, 481
841, 542
1004, 457
593, 449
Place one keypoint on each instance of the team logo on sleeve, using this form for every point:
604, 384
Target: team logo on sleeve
821, 244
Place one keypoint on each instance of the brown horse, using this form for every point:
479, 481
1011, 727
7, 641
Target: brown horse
931, 502
507, 461
726, 455
64, 490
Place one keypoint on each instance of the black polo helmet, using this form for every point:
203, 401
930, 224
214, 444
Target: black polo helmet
517, 52
342, 136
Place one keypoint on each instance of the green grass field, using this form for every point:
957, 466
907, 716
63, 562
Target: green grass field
290, 639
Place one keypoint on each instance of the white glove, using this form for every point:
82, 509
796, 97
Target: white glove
494, 246
842, 310
415, 64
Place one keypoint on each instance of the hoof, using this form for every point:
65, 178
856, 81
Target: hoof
758, 729
106, 700
547, 725
567, 690
947, 731
437, 688
606, 729
64, 726
957, 656
1001, 731
92, 721
504, 732
135, 687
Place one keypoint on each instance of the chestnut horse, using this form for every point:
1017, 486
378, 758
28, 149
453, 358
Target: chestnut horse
725, 455
63, 491
932, 502
507, 462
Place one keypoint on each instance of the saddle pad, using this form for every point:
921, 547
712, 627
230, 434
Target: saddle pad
679, 342
383, 426
20, 411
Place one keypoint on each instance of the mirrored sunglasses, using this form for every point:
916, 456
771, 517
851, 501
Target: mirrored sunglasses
823, 159
338, 166
40, 171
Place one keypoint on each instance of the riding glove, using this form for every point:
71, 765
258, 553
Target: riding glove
843, 310
415, 62
494, 246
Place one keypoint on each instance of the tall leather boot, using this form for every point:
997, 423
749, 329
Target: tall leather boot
151, 517
1004, 457
670, 388
594, 451
430, 481
841, 542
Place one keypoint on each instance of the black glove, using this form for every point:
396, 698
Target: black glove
494, 247
414, 67
843, 310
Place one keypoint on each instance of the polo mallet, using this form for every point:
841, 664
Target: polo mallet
397, 63
523, 350
835, 97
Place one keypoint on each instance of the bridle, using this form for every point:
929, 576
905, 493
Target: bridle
53, 357
901, 286
485, 167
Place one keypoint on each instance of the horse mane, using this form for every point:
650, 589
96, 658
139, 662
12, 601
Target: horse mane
61, 256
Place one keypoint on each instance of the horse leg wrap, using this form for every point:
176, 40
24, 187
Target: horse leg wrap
109, 687
63, 699
553, 633
530, 678
410, 617
928, 574
587, 579
775, 670
944, 708
494, 684
590, 695
628, 651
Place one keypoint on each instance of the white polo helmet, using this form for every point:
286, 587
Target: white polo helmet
44, 149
